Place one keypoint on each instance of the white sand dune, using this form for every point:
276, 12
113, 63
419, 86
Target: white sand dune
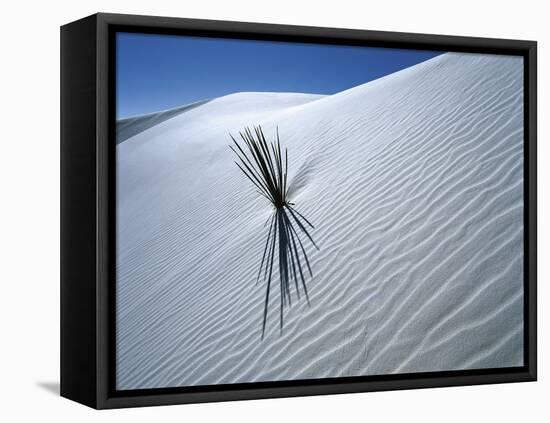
128, 127
414, 183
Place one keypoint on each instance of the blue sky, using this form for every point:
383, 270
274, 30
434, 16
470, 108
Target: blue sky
158, 72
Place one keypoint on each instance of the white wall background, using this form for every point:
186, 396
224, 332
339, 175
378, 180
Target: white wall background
29, 236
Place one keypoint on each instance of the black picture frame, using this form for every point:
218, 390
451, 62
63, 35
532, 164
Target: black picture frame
88, 206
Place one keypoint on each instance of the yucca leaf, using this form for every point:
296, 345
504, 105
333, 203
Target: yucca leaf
265, 165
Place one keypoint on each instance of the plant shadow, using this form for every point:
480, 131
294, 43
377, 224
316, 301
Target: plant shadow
283, 239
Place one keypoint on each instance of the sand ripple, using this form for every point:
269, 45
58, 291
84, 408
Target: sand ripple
414, 182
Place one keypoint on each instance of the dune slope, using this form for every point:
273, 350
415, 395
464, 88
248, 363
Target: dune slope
128, 127
414, 183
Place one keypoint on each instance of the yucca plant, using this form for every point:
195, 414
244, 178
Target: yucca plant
265, 165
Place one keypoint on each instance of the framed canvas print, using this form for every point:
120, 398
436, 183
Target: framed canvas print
254, 211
